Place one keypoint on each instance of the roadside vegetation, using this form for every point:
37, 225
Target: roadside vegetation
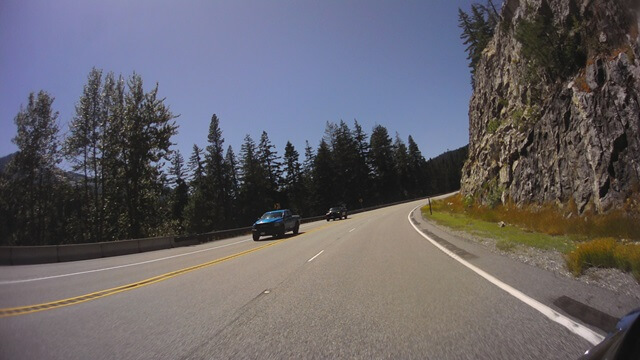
588, 240
128, 179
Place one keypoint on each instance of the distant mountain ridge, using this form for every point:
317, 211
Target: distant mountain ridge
5, 160
69, 175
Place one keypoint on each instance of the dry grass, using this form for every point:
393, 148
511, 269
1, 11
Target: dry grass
581, 83
548, 219
605, 253
612, 231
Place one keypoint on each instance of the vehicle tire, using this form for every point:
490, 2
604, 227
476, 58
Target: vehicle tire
327, 219
256, 237
296, 229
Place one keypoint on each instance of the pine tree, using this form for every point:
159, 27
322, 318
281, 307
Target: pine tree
292, 182
271, 167
146, 135
180, 191
324, 176
83, 148
362, 171
348, 165
196, 167
418, 180
477, 30
253, 197
308, 181
215, 176
381, 157
401, 166
32, 178
195, 212
112, 178
232, 186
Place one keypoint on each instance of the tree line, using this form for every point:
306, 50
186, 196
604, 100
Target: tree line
127, 181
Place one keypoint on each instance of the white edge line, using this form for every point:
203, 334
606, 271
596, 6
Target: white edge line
7, 282
352, 229
318, 254
579, 329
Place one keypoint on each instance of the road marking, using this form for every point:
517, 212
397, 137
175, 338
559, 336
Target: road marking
318, 254
23, 310
6, 282
352, 229
577, 328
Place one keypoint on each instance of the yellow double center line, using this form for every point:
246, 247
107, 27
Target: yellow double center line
22, 310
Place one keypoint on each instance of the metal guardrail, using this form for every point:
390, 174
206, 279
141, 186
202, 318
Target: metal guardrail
20, 255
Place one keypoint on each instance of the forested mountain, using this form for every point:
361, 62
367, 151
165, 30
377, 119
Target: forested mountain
120, 140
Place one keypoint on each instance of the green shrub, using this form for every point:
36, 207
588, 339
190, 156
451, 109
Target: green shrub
505, 245
493, 125
555, 52
468, 201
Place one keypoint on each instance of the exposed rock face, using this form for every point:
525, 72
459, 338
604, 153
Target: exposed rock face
552, 140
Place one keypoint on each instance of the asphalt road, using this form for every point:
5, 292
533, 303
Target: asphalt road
367, 287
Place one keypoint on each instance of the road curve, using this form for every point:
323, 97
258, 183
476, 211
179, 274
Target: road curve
366, 287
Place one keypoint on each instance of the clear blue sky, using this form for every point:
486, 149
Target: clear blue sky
286, 67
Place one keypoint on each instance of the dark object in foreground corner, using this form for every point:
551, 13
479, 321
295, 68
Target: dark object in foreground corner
275, 223
621, 344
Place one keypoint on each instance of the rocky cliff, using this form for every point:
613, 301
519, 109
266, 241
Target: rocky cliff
557, 118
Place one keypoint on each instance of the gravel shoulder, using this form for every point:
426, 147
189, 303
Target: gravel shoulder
613, 280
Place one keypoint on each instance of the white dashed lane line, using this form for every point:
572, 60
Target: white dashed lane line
318, 254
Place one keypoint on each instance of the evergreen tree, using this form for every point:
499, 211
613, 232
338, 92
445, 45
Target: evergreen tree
196, 167
146, 136
362, 171
477, 30
216, 189
308, 181
232, 186
401, 165
293, 182
324, 176
196, 211
83, 147
232, 173
112, 178
271, 167
180, 191
418, 180
345, 155
253, 199
381, 157
33, 181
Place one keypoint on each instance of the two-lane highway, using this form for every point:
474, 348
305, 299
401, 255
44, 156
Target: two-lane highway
366, 287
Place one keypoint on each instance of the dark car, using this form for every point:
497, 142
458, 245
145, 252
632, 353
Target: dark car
275, 223
338, 212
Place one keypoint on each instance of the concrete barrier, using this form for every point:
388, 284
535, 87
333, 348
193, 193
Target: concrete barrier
5, 255
18, 255
157, 243
79, 252
117, 248
186, 240
23, 255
